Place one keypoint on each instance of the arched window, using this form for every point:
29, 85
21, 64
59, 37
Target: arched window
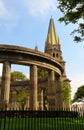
53, 54
57, 55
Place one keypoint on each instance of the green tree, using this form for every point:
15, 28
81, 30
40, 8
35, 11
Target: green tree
79, 93
17, 76
66, 92
73, 12
42, 73
21, 95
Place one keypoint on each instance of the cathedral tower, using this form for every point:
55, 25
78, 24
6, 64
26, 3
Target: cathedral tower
52, 45
53, 48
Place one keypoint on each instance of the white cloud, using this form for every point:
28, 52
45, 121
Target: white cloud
8, 16
3, 10
40, 7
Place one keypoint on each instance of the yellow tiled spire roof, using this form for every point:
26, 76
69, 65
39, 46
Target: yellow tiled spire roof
51, 37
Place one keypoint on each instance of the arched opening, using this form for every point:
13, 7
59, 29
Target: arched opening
53, 54
57, 55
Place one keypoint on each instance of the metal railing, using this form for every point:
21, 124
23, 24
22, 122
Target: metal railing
40, 120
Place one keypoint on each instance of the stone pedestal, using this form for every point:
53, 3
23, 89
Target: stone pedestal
33, 89
5, 88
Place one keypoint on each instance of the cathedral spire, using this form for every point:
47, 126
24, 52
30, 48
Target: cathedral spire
51, 37
58, 40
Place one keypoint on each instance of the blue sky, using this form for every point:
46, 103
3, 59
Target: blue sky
25, 23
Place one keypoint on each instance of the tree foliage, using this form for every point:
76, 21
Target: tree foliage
66, 92
79, 93
73, 12
21, 95
17, 76
42, 73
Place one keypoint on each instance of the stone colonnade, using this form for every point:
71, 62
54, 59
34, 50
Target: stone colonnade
54, 89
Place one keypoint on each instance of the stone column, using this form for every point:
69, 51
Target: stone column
51, 90
33, 95
13, 100
27, 102
41, 100
0, 96
52, 75
58, 96
5, 88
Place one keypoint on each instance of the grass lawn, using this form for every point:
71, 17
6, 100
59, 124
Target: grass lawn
42, 123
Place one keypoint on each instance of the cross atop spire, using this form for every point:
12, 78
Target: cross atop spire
51, 37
